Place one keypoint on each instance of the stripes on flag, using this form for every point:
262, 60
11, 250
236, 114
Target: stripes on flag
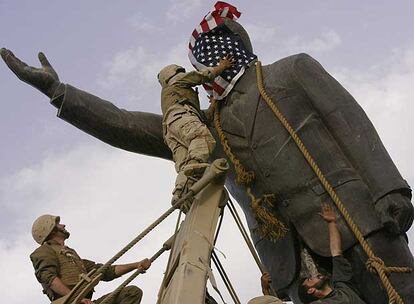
214, 18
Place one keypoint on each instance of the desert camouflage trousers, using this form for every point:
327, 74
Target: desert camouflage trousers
189, 140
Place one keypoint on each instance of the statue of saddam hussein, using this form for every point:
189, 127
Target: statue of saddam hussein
329, 121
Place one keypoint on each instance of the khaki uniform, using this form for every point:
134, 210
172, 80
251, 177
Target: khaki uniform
52, 260
186, 135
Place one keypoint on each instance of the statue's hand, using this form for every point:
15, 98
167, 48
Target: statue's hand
45, 79
396, 212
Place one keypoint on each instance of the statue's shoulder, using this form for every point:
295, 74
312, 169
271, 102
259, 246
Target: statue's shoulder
292, 60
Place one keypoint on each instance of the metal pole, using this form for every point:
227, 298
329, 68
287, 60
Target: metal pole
249, 243
225, 278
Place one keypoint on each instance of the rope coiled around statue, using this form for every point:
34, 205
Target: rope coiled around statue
269, 225
374, 264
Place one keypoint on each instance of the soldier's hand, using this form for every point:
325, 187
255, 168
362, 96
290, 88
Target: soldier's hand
144, 265
86, 301
265, 281
45, 78
396, 212
227, 62
328, 214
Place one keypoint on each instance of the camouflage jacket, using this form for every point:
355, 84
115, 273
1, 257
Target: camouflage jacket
52, 260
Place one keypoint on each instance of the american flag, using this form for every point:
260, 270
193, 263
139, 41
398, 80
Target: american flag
211, 41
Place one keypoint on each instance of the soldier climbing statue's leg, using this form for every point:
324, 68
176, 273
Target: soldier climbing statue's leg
191, 144
179, 155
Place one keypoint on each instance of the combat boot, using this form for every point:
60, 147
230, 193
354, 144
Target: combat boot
195, 169
179, 192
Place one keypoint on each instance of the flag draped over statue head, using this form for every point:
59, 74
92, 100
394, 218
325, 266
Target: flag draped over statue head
211, 40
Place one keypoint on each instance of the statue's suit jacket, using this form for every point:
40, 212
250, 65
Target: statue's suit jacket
326, 117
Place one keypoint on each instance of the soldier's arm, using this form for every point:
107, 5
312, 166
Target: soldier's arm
357, 137
58, 287
45, 264
195, 78
328, 214
125, 268
108, 275
265, 281
133, 131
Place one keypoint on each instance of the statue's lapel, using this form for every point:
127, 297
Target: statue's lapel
238, 111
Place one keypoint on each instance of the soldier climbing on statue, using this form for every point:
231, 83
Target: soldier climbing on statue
185, 133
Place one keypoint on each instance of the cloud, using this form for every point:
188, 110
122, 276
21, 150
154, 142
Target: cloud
260, 33
327, 41
270, 42
133, 73
182, 9
385, 92
141, 23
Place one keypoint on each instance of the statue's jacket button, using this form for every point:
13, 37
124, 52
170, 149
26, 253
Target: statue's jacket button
254, 146
266, 173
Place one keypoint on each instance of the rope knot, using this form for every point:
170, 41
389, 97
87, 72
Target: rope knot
375, 265
268, 225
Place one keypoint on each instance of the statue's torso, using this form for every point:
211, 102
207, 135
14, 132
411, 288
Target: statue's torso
262, 144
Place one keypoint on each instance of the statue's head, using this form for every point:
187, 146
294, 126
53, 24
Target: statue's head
217, 36
239, 30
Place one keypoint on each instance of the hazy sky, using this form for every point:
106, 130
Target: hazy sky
105, 195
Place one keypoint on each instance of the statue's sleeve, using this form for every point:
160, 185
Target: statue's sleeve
138, 132
350, 126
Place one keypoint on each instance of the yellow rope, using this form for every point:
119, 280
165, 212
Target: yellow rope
374, 263
268, 225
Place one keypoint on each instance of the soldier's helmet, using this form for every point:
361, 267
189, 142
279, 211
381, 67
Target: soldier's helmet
43, 226
169, 72
265, 300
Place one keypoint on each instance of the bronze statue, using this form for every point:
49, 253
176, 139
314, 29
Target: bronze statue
329, 121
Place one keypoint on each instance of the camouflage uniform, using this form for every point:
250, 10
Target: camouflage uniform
185, 134
52, 260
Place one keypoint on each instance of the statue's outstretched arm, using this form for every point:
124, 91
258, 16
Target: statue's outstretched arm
133, 131
358, 139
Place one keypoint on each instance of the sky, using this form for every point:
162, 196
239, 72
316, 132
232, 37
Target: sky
106, 196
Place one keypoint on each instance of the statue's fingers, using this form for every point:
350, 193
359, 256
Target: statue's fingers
46, 65
15, 64
404, 218
43, 60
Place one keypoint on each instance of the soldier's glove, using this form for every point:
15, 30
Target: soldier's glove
396, 212
45, 79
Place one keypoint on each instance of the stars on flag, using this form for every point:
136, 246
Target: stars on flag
210, 47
